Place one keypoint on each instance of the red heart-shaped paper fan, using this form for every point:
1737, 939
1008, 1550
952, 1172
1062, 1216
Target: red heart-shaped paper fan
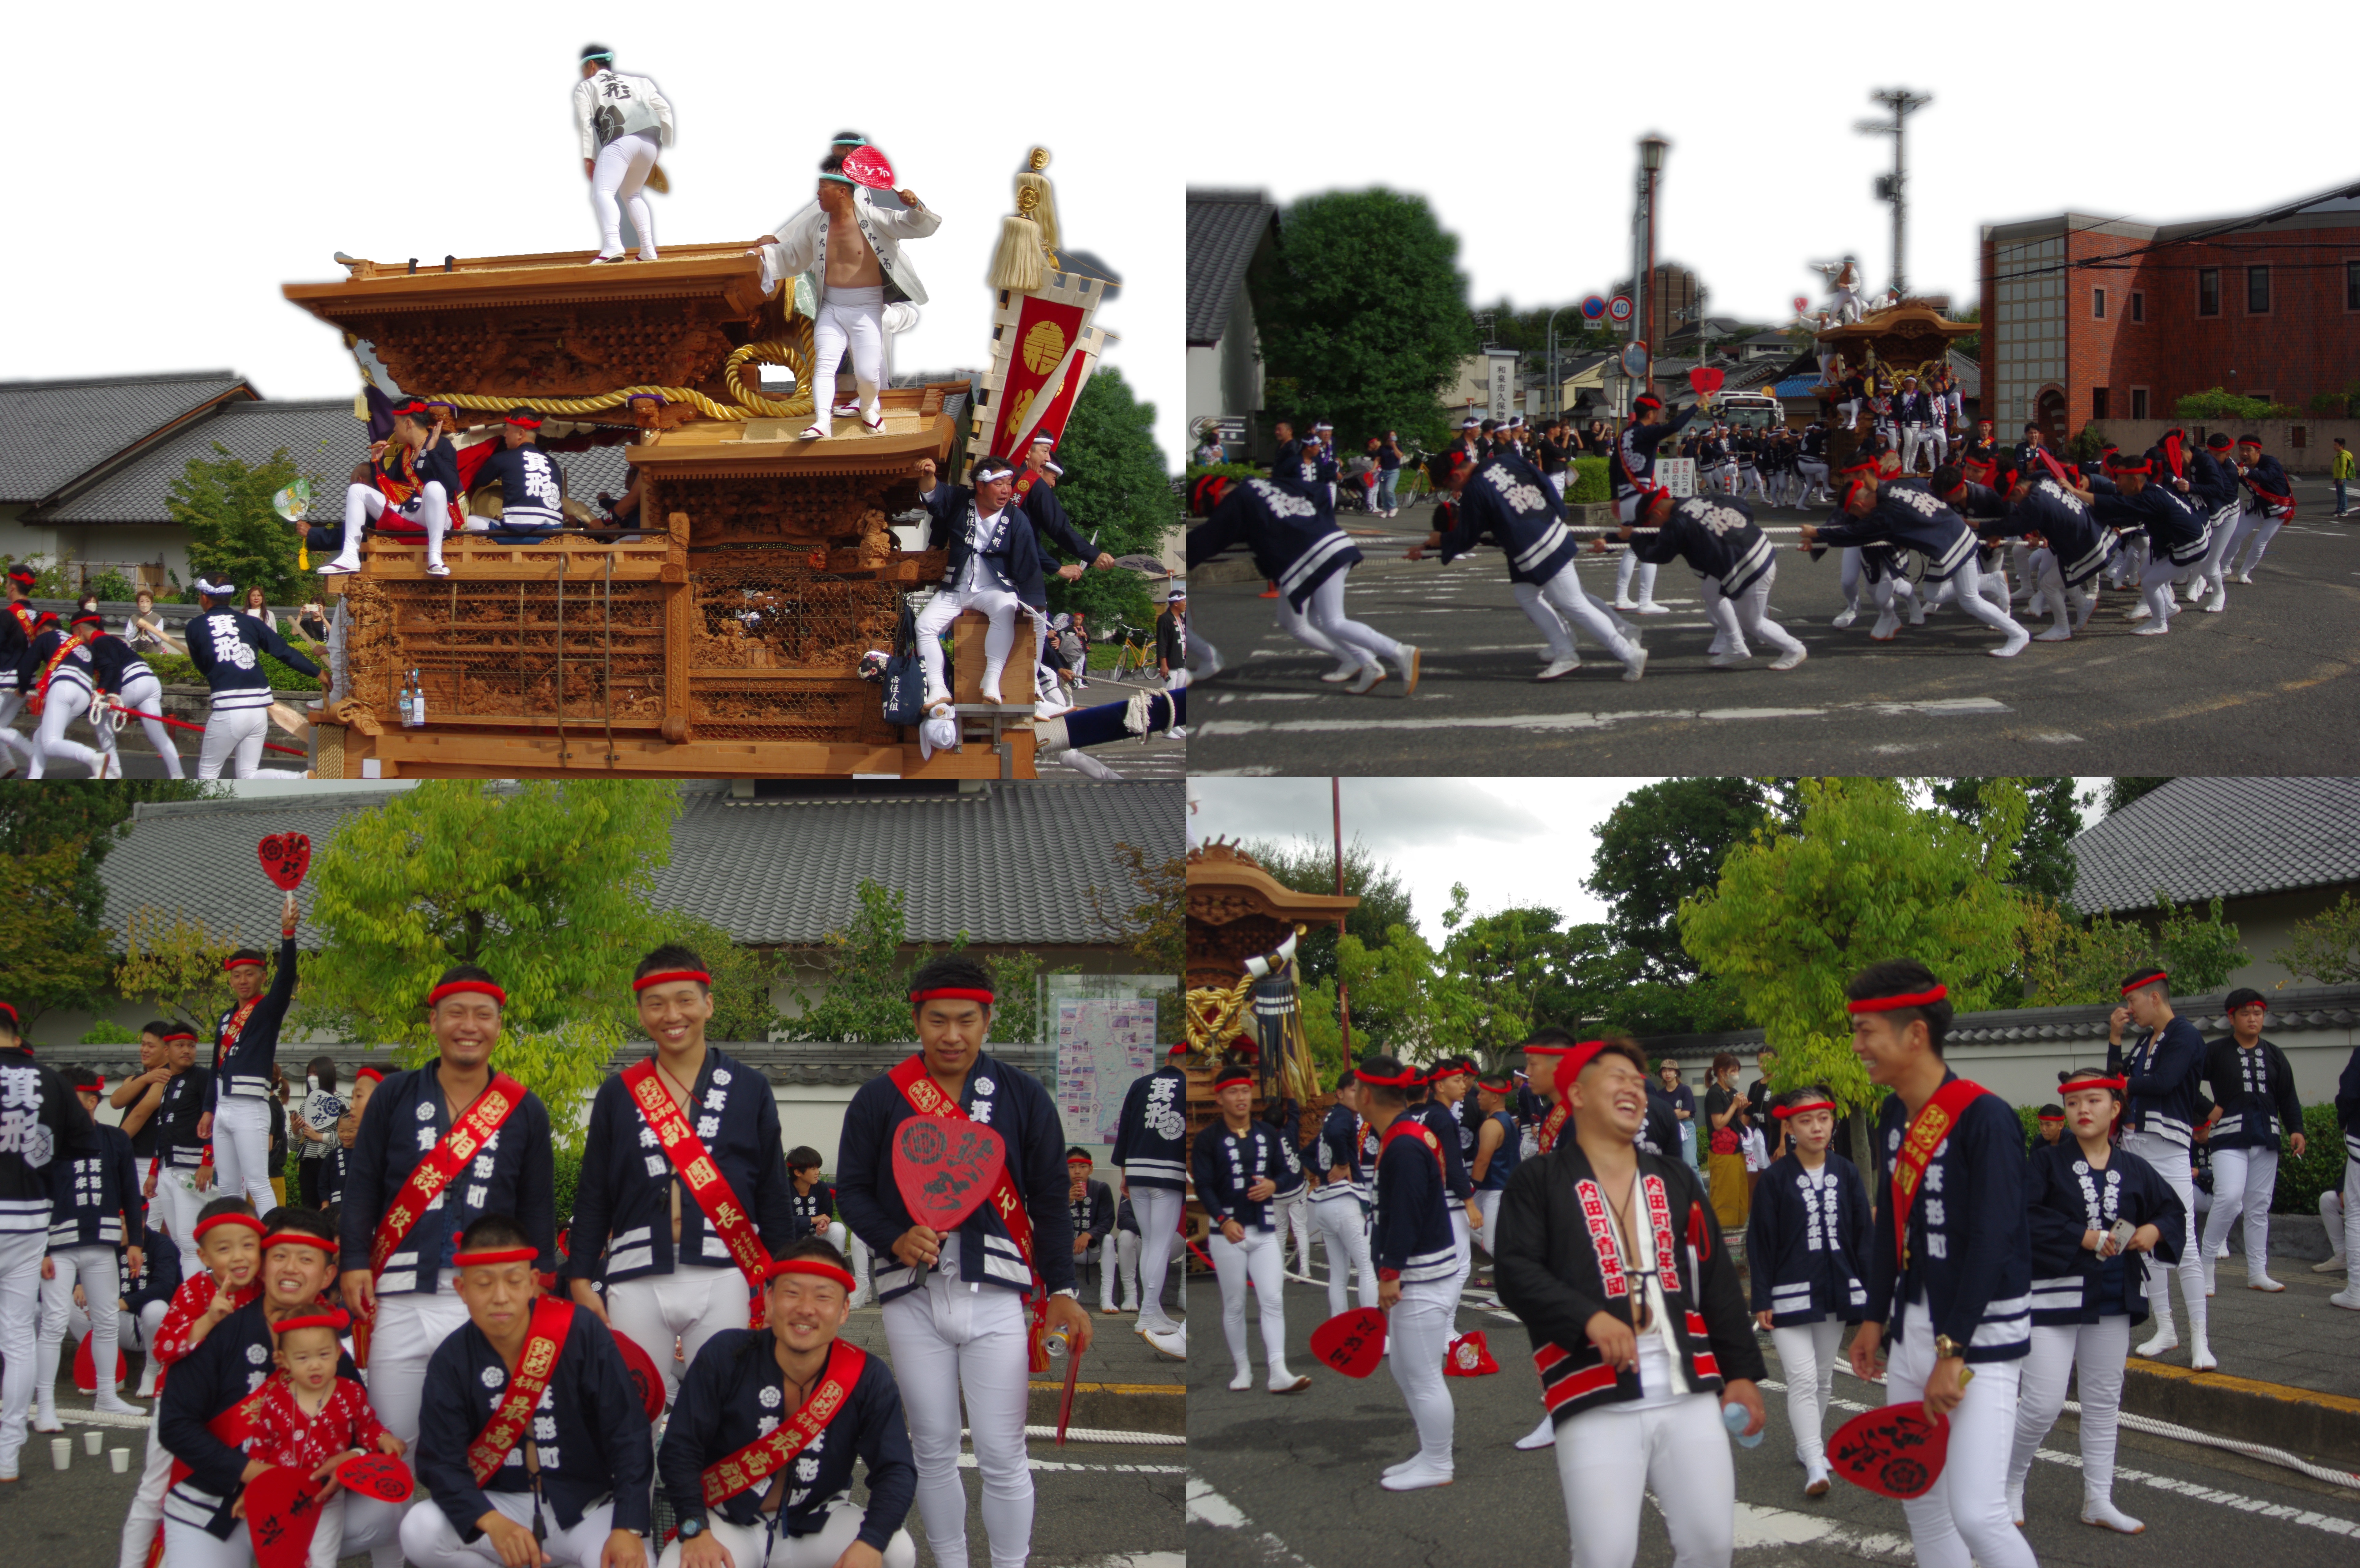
945, 1169
1896, 1452
282, 1509
866, 165
86, 1367
1705, 381
645, 1377
285, 858
1352, 1343
379, 1475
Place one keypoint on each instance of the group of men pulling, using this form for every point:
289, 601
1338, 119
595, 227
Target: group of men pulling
524, 1377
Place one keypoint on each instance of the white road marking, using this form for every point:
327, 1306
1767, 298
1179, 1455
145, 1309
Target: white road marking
967, 1462
1783, 1527
2055, 738
1947, 707
1207, 1507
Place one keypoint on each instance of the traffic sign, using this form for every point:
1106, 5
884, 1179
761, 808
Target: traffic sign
1620, 307
1594, 306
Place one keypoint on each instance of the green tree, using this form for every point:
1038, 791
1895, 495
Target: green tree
2044, 858
1864, 876
866, 996
174, 965
1118, 489
2122, 790
2325, 948
1363, 314
1308, 866
1971, 345
2071, 962
36, 815
1404, 1000
56, 957
224, 507
1662, 844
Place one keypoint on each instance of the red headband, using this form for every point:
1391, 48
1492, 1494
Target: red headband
1782, 1112
459, 987
10, 1008
1576, 1056
336, 1319
1495, 1085
523, 421
824, 1270
1890, 1004
1179, 1047
228, 963
490, 1254
1080, 1160
374, 1074
2143, 981
1407, 1076
2047, 1117
176, 1034
667, 976
2257, 1002
950, 994
299, 1238
248, 1221
1232, 1075
2120, 1086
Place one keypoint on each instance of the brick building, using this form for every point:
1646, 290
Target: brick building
2089, 318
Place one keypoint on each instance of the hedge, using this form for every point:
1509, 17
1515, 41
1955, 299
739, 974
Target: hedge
1589, 482
2300, 1182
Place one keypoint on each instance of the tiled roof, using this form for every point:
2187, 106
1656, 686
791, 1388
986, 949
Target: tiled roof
323, 440
2229, 838
1007, 865
59, 430
1224, 229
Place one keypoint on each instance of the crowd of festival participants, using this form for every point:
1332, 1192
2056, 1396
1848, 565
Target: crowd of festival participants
1924, 514
532, 1381
1973, 1268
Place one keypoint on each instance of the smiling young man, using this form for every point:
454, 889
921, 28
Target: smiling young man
532, 1444
956, 1304
437, 1145
757, 1456
1950, 1258
245, 1048
684, 1191
1615, 1264
2162, 1070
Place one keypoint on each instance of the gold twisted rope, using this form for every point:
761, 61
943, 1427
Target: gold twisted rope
795, 355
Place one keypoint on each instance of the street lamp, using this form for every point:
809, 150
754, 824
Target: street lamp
1651, 147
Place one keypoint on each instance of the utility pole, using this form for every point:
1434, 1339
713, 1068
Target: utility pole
1892, 187
1651, 163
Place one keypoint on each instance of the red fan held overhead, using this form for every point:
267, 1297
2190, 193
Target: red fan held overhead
866, 165
1351, 1343
1705, 381
285, 858
282, 1510
379, 1475
945, 1169
1896, 1452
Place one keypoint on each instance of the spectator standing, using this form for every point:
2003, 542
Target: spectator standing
278, 1134
1725, 1109
1682, 1100
2341, 471
316, 1127
1389, 467
1172, 632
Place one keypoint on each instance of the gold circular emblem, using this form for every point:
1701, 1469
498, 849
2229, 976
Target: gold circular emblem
1043, 346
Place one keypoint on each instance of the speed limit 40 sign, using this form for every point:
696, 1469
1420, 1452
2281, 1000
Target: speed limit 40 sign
1619, 308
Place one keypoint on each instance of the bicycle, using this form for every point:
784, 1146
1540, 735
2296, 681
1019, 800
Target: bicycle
1137, 654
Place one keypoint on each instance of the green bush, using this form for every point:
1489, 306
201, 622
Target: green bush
106, 1031
2218, 404
2334, 405
2088, 444
174, 669
1589, 481
2320, 1169
568, 1163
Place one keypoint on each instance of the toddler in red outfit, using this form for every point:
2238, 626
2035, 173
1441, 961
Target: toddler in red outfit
310, 1419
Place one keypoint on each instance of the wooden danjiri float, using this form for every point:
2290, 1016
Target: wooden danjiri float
721, 636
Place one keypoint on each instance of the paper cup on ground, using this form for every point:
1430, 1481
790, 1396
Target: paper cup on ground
62, 1452
92, 1441
119, 1459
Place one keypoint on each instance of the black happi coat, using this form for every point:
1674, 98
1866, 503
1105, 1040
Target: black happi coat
1970, 1242
232, 1362
1808, 1260
512, 1174
2069, 1199
1227, 1165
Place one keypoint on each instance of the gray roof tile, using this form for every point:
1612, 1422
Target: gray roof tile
59, 430
1225, 227
2231, 838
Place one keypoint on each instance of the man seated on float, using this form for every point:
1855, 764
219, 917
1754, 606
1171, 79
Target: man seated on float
533, 488
756, 1458
994, 562
532, 1443
414, 485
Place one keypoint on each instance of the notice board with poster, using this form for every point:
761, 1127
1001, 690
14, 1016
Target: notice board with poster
1104, 1027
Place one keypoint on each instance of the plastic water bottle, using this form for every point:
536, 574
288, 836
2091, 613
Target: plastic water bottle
1735, 1418
404, 700
417, 700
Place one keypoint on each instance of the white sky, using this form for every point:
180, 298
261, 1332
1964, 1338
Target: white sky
1514, 842
2037, 109
183, 162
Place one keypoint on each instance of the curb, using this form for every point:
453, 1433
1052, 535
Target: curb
2324, 1428
1113, 1407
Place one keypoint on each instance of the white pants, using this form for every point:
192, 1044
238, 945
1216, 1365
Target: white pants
1462, 1244
1563, 594
1117, 1257
1747, 614
430, 509
1261, 1258
2347, 1219
2095, 1353
242, 1149
1487, 1203
691, 1303
1608, 1459
2170, 1163
2243, 1181
1157, 1210
1913, 439
1343, 1226
1962, 1519
20, 1286
999, 606
68, 700
1811, 473
176, 1192
1322, 624
147, 1514
144, 694
19, 752
102, 1285
429, 1540
1623, 571
944, 1337
1419, 1328
233, 739
2216, 569
1294, 1220
856, 1252
2259, 526
1806, 1353
817, 1550
853, 319
618, 180
409, 1327
190, 1546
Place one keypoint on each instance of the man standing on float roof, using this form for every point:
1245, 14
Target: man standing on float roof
625, 123
956, 1317
245, 1048
680, 1261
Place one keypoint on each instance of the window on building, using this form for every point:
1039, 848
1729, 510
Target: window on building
2139, 305
2138, 402
2098, 403
2258, 291
2208, 290
2097, 304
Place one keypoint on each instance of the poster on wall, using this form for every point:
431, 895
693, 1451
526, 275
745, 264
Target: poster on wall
1102, 1046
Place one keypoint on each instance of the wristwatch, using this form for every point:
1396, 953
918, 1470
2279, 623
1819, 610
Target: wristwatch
1945, 1347
690, 1528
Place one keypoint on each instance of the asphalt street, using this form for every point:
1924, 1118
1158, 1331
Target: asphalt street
1293, 1481
2272, 684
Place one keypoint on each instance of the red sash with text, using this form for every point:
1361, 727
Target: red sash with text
1552, 1125
701, 1175
232, 1029
479, 1121
1409, 1127
928, 1100
552, 1316
1932, 1123
766, 1456
38, 698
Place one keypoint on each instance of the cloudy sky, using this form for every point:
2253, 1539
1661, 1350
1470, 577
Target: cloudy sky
1514, 842
177, 164
1521, 127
